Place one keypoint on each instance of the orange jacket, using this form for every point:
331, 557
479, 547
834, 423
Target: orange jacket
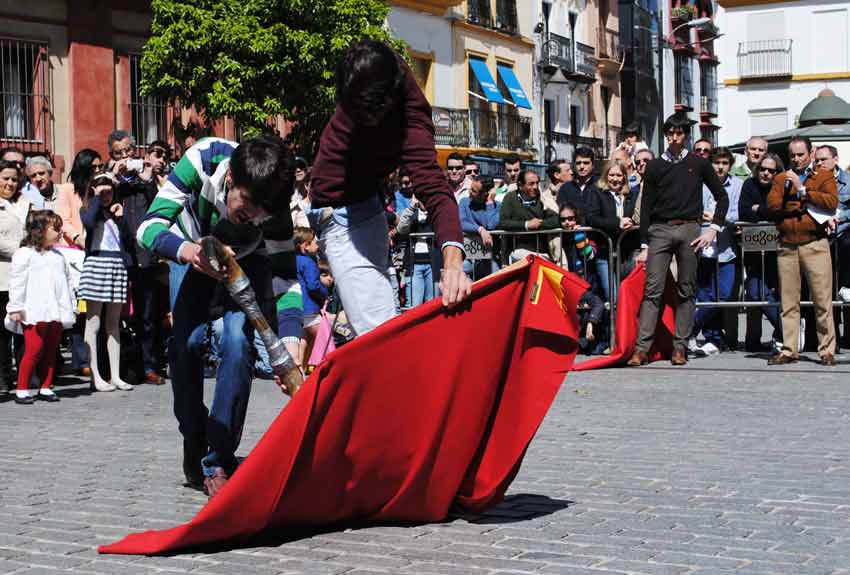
797, 226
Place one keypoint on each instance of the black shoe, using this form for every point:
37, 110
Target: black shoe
52, 398
28, 400
194, 450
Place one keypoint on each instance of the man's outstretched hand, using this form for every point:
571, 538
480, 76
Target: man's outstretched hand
454, 283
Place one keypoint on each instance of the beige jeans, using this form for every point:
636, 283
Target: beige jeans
814, 261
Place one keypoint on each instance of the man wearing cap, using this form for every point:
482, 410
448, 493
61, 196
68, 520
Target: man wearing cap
221, 189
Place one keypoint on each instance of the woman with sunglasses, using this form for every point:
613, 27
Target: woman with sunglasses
761, 283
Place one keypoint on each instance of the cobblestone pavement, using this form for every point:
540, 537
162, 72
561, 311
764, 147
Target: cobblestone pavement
723, 467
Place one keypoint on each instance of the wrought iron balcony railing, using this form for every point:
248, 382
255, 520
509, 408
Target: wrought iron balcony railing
479, 128
479, 12
557, 52
585, 62
764, 58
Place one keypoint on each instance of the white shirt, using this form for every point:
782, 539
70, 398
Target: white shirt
106, 237
40, 286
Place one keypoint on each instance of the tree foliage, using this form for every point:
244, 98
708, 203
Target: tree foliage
253, 60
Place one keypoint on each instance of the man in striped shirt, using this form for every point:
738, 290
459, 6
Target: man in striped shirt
227, 190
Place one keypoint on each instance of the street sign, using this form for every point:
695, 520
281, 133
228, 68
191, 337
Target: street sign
760, 238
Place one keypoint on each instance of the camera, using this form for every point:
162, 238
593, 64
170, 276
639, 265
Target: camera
135, 165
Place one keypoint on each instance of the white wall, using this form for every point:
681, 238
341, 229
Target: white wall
818, 47
429, 34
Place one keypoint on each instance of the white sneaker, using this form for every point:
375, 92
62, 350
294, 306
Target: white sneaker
692, 345
709, 349
844, 294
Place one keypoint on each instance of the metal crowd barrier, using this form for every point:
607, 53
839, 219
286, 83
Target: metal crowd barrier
540, 242
761, 238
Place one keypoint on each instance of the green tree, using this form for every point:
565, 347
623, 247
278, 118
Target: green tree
253, 60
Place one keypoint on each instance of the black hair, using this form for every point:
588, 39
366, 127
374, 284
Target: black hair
10, 149
677, 121
523, 175
706, 140
265, 168
7, 165
510, 159
554, 167
159, 144
468, 160
574, 209
455, 156
81, 171
117, 136
780, 166
722, 152
367, 74
584, 152
801, 139
300, 163
833, 151
632, 129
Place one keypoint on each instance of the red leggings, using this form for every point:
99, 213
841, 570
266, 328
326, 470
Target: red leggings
40, 344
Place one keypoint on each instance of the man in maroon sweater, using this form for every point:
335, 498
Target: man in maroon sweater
382, 121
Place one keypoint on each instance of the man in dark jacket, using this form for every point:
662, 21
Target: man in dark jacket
523, 210
761, 281
583, 185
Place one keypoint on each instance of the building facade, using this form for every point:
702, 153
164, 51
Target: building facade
775, 58
474, 62
71, 73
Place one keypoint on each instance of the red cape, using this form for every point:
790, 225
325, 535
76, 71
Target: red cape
429, 411
628, 313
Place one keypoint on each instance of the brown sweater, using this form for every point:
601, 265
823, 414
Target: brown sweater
796, 225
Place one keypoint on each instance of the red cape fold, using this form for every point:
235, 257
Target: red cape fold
629, 297
431, 411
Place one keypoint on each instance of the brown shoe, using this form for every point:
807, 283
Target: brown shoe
154, 378
828, 360
638, 358
679, 357
84, 372
781, 359
215, 483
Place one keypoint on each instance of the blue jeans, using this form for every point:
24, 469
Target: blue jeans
262, 368
423, 284
753, 287
191, 293
602, 276
709, 319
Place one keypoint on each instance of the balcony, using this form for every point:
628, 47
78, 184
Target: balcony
506, 19
764, 59
479, 128
562, 145
684, 83
479, 12
608, 50
708, 105
557, 52
585, 70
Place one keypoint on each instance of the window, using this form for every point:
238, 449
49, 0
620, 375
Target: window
421, 68
768, 121
708, 88
709, 133
830, 37
148, 115
24, 88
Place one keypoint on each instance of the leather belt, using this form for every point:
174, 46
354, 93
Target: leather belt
678, 222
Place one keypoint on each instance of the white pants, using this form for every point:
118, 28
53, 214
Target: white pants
355, 239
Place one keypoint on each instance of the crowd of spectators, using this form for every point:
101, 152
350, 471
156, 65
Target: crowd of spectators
583, 214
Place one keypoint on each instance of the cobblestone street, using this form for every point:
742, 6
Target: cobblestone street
723, 467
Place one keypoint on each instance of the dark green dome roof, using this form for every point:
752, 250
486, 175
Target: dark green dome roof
827, 108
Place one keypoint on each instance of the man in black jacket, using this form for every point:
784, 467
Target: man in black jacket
762, 282
671, 211
583, 185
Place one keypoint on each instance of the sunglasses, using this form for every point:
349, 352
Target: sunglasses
158, 152
641, 161
769, 170
702, 150
568, 218
454, 168
472, 171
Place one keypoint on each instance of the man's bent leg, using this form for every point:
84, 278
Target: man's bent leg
358, 256
657, 266
232, 391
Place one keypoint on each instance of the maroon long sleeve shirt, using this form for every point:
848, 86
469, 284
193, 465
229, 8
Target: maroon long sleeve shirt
353, 160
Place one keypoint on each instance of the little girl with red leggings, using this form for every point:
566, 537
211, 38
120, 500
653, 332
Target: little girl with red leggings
40, 303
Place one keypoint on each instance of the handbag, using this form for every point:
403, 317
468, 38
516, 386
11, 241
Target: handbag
324, 343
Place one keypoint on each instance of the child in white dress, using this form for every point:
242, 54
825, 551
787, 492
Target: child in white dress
40, 304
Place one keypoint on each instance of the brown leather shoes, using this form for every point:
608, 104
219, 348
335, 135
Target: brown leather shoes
638, 358
154, 378
215, 483
781, 359
84, 372
828, 360
679, 357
